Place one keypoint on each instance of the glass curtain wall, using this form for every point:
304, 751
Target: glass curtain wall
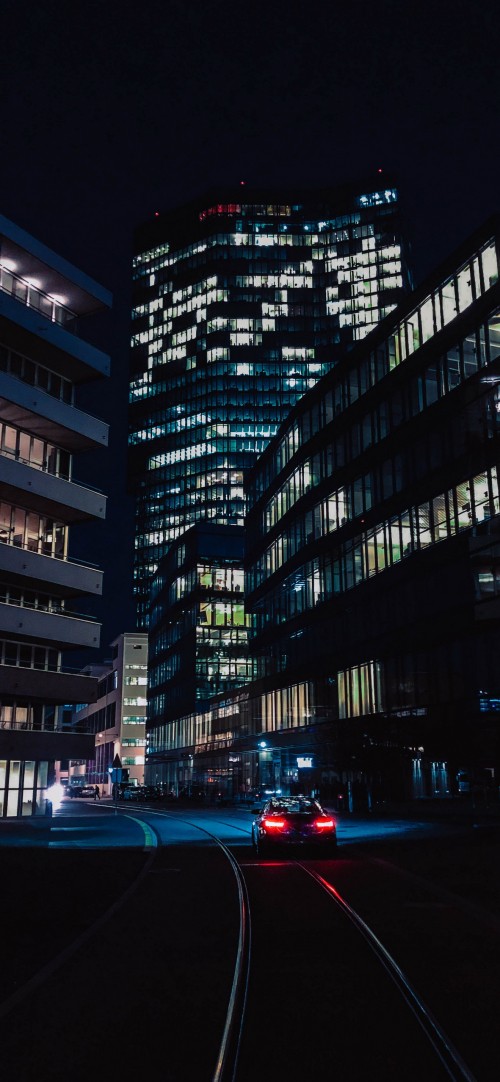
239, 308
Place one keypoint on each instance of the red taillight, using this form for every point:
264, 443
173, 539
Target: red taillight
324, 824
274, 824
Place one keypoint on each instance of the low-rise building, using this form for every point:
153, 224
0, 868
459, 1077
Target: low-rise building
117, 719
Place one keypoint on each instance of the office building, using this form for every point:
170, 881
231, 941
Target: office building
242, 300
372, 567
117, 718
198, 636
44, 360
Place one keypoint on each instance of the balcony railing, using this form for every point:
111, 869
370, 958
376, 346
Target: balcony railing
46, 466
53, 608
33, 727
41, 546
33, 297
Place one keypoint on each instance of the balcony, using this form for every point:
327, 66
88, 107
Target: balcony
65, 578
49, 418
38, 490
33, 262
25, 291
60, 630
34, 335
46, 685
30, 744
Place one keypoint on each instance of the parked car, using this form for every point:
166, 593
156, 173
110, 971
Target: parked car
150, 792
296, 822
73, 790
87, 790
132, 792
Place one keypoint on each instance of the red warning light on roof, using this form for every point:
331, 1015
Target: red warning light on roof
157, 214
242, 182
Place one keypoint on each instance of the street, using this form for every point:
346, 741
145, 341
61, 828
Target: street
126, 924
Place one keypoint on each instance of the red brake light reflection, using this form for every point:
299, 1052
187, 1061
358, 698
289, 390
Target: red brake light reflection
274, 824
324, 824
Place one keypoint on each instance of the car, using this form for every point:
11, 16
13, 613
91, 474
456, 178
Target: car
296, 822
132, 792
73, 791
87, 790
151, 792
143, 792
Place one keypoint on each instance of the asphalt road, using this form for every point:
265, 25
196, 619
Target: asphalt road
150, 977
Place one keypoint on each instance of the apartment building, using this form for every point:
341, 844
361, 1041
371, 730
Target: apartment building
45, 306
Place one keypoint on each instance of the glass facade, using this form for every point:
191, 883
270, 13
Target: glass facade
198, 629
372, 571
241, 303
316, 499
23, 788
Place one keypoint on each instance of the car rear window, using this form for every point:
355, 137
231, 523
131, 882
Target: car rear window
294, 807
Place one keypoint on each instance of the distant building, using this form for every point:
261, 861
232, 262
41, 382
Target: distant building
373, 567
242, 300
117, 718
44, 302
198, 635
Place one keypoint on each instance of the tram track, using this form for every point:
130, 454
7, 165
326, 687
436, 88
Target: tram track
225, 1065
239, 989
444, 1049
449, 1062
227, 1059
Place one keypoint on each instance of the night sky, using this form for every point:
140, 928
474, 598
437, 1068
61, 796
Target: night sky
112, 110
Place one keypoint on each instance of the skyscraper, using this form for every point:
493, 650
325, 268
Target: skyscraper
242, 300
372, 570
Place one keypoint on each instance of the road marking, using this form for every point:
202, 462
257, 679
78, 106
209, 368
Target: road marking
150, 839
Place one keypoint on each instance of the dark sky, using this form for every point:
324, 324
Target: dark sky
111, 110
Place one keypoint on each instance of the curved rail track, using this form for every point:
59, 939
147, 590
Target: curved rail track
226, 1066
227, 1063
445, 1050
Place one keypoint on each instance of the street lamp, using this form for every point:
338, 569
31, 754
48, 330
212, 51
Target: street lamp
260, 772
